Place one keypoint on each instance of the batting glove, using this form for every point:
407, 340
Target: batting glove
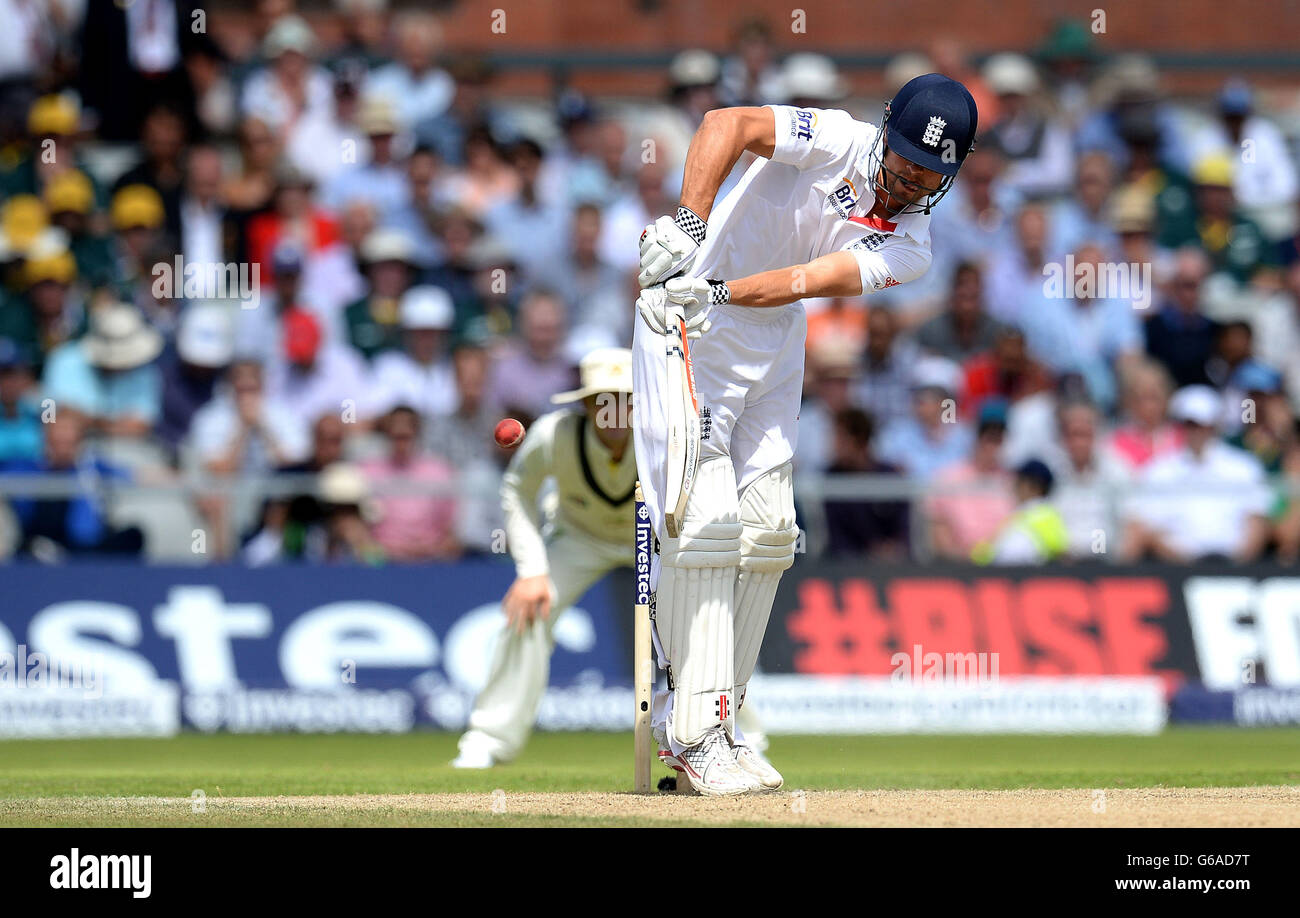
697, 293
652, 304
668, 246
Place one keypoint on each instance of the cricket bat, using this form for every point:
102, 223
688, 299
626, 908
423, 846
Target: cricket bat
683, 453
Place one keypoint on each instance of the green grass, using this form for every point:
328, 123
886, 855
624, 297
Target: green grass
417, 763
73, 782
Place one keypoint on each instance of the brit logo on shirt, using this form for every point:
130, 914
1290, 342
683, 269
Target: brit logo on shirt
844, 198
706, 422
804, 122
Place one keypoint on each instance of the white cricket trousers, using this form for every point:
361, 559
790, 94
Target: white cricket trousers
748, 383
506, 708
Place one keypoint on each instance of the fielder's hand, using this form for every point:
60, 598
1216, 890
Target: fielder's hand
668, 246
653, 306
528, 599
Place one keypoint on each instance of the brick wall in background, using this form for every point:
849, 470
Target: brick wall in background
1200, 41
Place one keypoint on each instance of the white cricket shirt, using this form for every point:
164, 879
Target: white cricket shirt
810, 199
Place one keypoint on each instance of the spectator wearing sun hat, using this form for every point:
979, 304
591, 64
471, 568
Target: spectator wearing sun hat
420, 374
291, 87
192, 365
419, 88
373, 322
380, 180
1040, 156
108, 374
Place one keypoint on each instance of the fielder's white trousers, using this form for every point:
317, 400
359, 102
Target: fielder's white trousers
506, 708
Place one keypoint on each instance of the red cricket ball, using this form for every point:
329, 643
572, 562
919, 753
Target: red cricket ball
508, 433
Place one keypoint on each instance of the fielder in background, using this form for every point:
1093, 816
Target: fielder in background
585, 531
834, 207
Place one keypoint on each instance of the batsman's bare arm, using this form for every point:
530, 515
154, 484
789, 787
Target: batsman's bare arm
723, 135
836, 274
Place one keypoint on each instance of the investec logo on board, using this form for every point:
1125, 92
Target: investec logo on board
642, 554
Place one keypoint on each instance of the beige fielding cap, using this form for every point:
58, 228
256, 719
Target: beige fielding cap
606, 369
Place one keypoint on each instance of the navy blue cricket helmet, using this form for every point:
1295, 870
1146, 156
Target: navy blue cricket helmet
931, 121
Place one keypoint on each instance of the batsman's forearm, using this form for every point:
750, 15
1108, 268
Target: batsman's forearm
833, 275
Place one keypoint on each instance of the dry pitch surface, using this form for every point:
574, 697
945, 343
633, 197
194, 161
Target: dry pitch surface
1182, 777
1144, 808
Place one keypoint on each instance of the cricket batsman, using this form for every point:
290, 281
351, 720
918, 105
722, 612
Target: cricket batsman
834, 207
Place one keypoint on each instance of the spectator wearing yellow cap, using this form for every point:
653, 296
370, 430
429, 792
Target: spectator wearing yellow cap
53, 131
23, 218
162, 141
1265, 182
70, 199
137, 219
1232, 240
53, 306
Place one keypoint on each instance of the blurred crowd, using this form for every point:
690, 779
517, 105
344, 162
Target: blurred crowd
341, 263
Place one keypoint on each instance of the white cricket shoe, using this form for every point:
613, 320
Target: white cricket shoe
473, 754
757, 765
667, 758
472, 760
710, 767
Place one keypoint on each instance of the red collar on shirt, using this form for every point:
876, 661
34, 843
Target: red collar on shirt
875, 223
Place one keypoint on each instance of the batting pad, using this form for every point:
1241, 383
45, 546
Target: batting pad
767, 547
693, 604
